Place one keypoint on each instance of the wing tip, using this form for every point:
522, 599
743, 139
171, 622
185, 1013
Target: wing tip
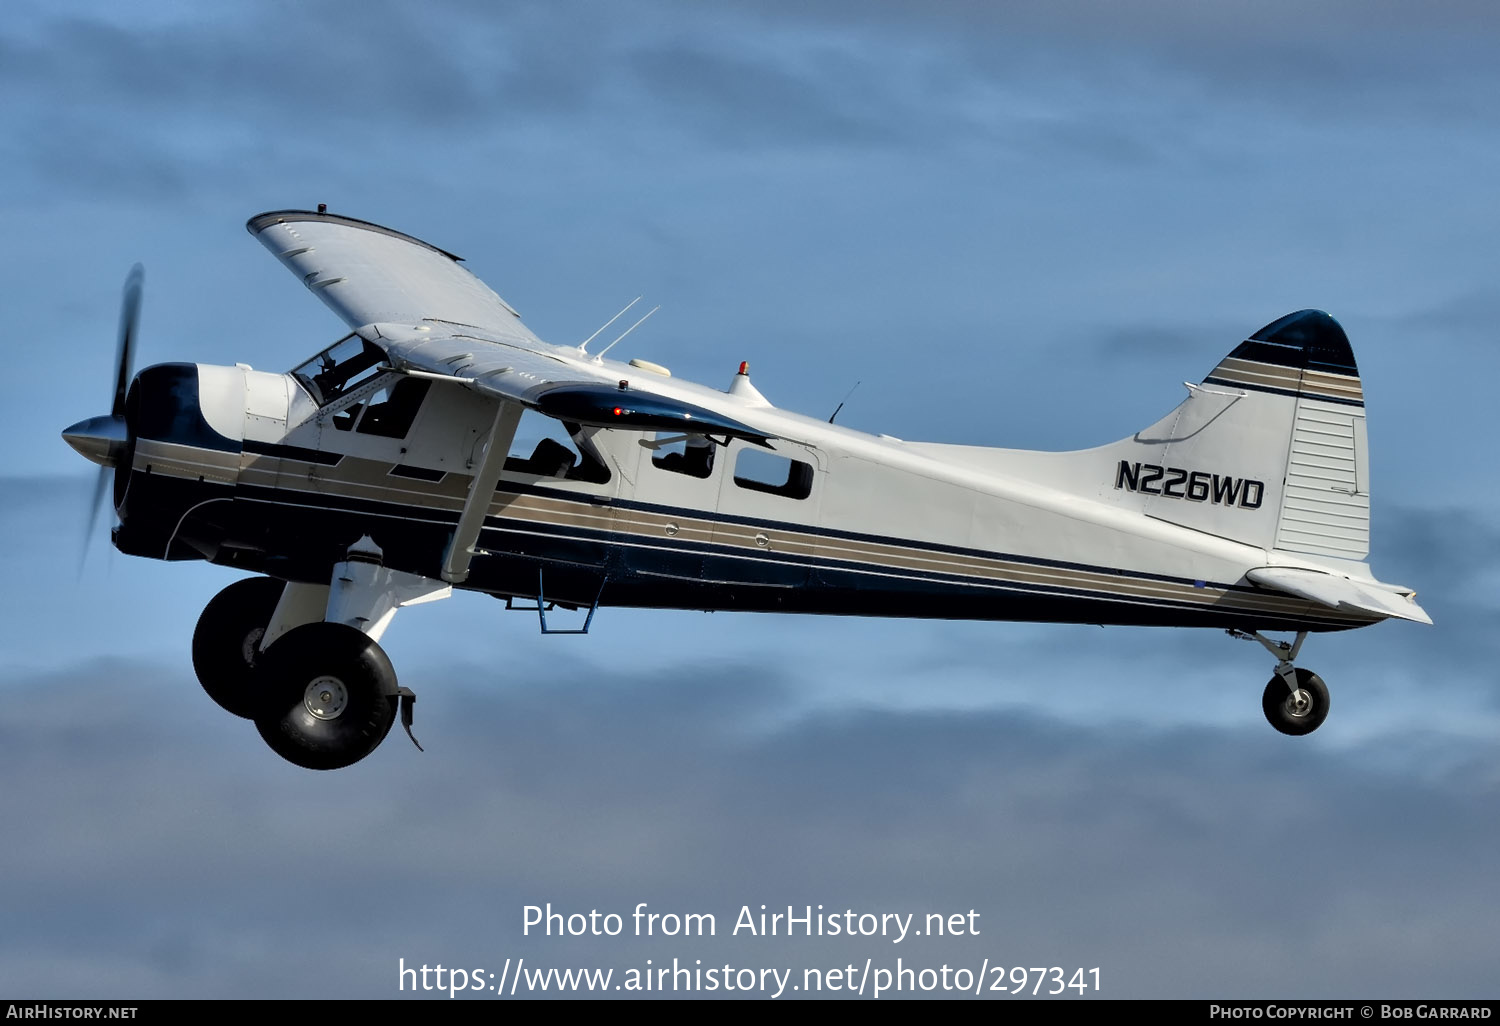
260, 222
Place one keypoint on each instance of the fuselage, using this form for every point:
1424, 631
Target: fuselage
262, 472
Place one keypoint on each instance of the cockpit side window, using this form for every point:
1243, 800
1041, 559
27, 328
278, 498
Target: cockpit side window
348, 363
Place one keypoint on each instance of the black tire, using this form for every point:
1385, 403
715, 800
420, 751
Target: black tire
1284, 715
329, 696
226, 642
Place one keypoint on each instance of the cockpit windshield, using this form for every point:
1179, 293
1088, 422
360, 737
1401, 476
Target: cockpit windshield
349, 362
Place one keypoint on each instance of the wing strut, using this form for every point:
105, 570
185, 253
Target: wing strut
481, 491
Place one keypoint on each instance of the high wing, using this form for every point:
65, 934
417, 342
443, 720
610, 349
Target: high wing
1337, 592
432, 316
368, 274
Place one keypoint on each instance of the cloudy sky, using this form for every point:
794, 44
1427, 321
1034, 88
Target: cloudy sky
1015, 224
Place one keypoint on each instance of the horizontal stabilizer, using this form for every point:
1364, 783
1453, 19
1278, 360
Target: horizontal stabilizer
1339, 592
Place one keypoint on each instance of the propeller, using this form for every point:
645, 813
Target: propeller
103, 439
130, 316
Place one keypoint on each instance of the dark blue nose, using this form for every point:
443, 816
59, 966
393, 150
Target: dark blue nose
165, 406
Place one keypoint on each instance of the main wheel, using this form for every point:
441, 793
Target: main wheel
329, 696
226, 642
1296, 712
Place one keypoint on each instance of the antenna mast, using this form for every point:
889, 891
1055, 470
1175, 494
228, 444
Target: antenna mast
627, 331
841, 404
583, 346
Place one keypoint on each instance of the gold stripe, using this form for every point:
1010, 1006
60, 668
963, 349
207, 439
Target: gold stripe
359, 478
1234, 364
1307, 382
1243, 378
545, 511
1334, 385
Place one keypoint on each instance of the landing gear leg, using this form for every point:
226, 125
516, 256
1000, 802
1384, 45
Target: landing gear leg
330, 692
1295, 700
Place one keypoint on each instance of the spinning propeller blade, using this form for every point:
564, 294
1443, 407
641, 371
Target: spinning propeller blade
130, 315
101, 485
102, 439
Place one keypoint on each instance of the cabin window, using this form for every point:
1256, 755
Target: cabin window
762, 471
345, 365
544, 447
692, 455
391, 411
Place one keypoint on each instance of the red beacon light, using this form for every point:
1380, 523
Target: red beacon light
740, 387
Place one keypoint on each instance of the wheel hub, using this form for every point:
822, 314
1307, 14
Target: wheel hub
250, 647
326, 698
1299, 703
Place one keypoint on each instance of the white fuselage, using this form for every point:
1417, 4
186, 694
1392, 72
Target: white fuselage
880, 526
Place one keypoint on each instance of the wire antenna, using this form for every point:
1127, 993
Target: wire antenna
583, 346
627, 331
841, 405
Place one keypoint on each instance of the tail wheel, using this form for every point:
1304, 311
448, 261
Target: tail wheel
1296, 712
226, 642
329, 696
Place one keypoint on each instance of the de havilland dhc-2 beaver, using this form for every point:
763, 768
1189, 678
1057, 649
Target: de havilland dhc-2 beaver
380, 474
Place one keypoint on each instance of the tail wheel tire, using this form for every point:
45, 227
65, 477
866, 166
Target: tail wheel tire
1296, 712
329, 696
226, 642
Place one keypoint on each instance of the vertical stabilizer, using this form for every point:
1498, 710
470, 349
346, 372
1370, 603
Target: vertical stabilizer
1305, 361
1269, 450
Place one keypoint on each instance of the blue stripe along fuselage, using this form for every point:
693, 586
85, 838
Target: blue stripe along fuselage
298, 535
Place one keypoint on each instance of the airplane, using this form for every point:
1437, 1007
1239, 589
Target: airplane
380, 474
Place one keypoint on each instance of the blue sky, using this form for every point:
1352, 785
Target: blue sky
1020, 225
